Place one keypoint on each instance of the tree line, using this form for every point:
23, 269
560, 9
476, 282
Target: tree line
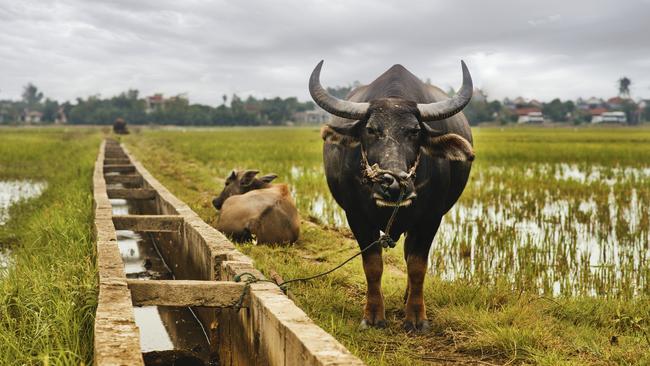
130, 106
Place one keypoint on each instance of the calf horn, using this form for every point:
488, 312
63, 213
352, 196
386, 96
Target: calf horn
335, 106
447, 108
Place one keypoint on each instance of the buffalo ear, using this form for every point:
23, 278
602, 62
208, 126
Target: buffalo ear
449, 146
268, 178
349, 129
248, 177
232, 175
346, 134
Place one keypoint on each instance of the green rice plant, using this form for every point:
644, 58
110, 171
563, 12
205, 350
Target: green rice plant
48, 294
547, 247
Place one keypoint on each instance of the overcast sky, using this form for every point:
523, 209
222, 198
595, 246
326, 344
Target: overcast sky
536, 49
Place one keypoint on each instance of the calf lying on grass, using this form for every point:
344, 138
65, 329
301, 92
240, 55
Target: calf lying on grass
254, 208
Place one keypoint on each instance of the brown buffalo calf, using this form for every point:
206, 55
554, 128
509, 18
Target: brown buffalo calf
254, 208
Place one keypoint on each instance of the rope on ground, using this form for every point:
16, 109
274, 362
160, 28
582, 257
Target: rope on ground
385, 240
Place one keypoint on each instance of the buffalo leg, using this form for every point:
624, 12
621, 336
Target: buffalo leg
417, 245
373, 267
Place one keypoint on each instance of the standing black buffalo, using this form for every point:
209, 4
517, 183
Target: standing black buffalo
396, 138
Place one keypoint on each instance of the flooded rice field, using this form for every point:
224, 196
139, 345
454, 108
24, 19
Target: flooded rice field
559, 228
5, 259
14, 191
556, 211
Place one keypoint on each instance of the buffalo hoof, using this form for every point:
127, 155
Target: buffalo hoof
365, 324
420, 327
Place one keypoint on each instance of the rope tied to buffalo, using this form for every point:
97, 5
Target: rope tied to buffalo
385, 240
374, 173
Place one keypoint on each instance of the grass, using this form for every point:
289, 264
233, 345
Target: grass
48, 296
543, 260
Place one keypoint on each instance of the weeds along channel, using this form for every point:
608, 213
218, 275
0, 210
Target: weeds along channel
48, 292
544, 259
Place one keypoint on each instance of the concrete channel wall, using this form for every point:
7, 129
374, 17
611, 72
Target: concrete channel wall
269, 330
117, 338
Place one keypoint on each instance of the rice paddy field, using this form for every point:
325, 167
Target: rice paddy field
544, 260
48, 284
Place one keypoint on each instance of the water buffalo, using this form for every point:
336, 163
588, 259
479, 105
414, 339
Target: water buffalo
119, 127
252, 207
396, 137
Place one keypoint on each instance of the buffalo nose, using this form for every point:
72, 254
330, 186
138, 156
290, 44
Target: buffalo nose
216, 203
390, 186
403, 175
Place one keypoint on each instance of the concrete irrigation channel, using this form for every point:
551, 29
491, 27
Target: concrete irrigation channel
166, 289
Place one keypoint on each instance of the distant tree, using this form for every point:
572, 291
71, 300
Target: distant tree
31, 95
224, 98
581, 116
50, 110
555, 110
495, 106
342, 92
569, 106
631, 110
624, 86
477, 112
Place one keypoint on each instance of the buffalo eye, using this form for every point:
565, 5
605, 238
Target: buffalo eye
373, 131
413, 131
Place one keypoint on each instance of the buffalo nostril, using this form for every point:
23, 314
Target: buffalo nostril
387, 180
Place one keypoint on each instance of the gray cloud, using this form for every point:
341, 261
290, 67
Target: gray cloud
72, 48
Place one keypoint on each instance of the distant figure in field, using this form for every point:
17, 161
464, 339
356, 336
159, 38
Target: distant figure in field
254, 208
119, 127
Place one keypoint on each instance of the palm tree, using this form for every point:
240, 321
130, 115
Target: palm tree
624, 86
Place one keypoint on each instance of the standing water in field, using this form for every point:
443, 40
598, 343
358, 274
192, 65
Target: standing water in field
14, 191
557, 228
561, 229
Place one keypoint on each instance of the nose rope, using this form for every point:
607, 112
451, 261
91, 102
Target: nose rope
374, 173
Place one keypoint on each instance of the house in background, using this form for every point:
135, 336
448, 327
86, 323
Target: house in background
31, 117
154, 103
591, 103
5, 112
529, 115
315, 116
608, 117
157, 102
616, 102
535, 103
61, 118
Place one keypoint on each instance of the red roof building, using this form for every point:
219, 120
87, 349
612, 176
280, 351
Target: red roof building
527, 110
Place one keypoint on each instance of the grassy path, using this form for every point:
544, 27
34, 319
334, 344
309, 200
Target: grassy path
473, 323
48, 297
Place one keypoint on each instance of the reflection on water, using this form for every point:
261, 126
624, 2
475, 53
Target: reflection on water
141, 260
11, 192
161, 328
153, 335
558, 228
14, 191
5, 259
